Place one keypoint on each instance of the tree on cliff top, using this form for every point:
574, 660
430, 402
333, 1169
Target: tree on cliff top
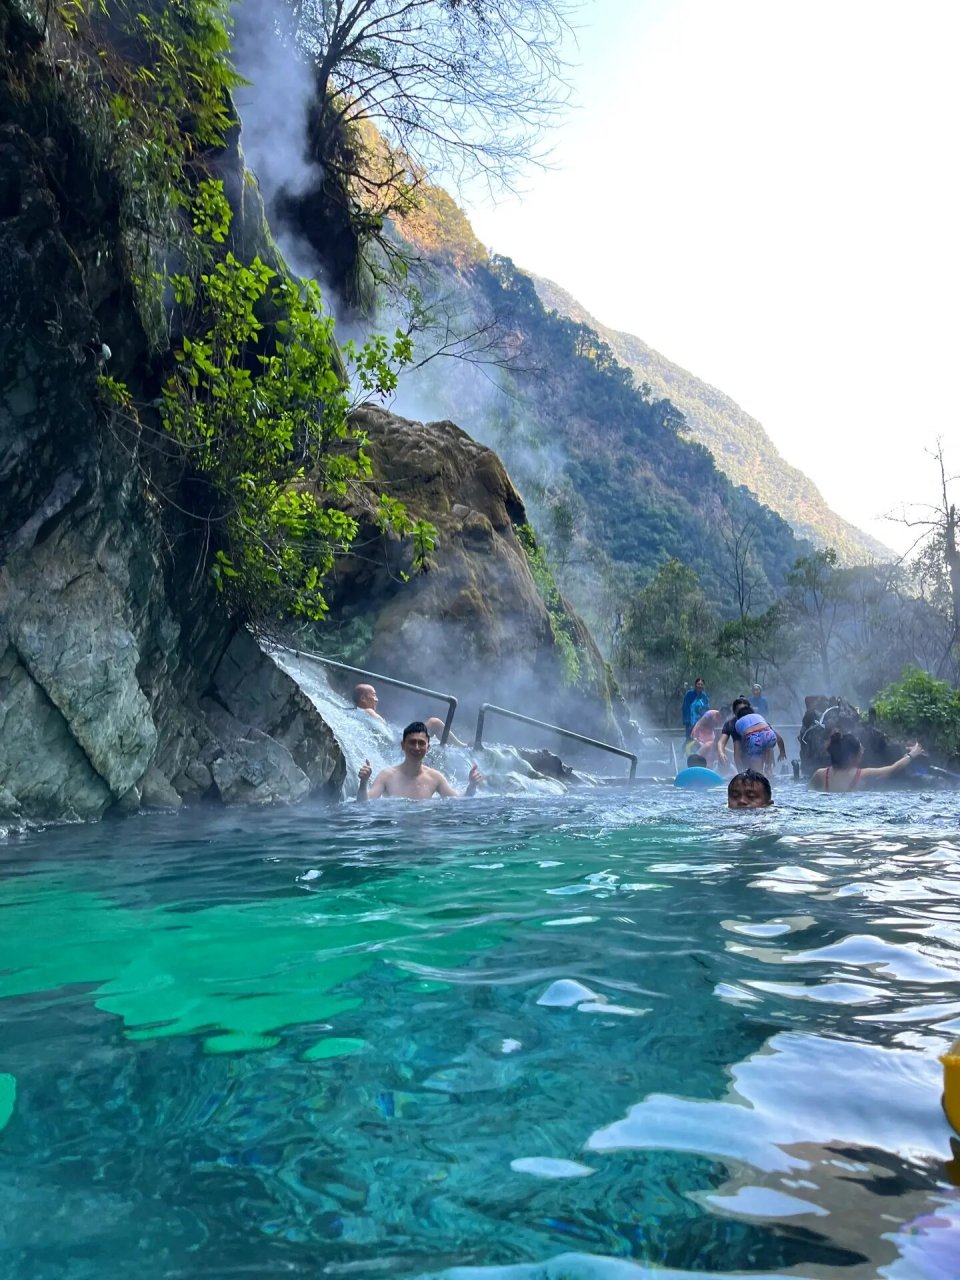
937, 564
466, 87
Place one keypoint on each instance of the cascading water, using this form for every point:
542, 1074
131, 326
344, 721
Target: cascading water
361, 737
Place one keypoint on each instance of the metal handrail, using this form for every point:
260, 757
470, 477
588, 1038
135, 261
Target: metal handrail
448, 698
486, 707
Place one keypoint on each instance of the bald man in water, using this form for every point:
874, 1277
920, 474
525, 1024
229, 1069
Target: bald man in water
365, 699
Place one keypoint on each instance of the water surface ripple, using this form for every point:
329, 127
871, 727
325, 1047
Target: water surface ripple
616, 1034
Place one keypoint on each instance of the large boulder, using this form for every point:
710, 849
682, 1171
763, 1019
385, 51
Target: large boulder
480, 622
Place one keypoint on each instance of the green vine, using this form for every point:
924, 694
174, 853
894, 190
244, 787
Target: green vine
258, 399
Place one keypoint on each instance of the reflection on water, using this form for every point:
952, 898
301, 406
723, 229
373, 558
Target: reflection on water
574, 1036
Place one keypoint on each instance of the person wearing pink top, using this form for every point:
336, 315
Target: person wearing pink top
703, 736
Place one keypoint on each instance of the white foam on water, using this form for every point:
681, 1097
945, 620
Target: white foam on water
548, 1167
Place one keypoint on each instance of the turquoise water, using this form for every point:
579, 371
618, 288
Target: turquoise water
348, 1042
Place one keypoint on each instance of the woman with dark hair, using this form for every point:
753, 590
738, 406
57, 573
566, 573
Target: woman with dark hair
844, 772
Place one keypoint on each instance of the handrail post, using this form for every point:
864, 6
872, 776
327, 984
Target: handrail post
451, 712
478, 736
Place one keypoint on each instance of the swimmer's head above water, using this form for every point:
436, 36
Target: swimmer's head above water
845, 750
415, 740
749, 790
365, 699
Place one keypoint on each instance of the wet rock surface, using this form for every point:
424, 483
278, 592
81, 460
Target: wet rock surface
123, 684
476, 619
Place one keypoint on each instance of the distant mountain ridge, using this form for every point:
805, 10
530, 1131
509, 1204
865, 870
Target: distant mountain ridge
613, 480
740, 445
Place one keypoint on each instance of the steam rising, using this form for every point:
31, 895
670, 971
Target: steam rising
273, 109
274, 112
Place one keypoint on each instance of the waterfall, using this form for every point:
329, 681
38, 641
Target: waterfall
361, 737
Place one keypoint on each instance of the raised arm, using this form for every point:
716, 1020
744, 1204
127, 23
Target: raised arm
888, 770
376, 791
445, 789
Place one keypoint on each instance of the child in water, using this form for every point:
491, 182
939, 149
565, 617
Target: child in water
749, 790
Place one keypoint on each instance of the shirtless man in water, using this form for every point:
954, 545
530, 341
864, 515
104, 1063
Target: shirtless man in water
412, 779
365, 699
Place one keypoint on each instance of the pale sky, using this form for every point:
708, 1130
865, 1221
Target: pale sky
766, 192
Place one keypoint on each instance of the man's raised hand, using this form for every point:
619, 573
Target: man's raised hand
364, 773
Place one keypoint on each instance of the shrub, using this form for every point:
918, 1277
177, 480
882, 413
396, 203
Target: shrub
257, 394
561, 627
917, 705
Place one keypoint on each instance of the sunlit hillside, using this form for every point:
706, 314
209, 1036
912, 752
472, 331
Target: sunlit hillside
740, 445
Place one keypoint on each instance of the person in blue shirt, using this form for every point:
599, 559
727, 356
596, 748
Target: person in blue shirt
695, 703
758, 701
696, 775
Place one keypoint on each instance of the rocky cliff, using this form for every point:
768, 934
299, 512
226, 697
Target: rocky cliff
123, 682
485, 617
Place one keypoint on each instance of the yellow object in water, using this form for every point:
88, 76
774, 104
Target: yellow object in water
951, 1084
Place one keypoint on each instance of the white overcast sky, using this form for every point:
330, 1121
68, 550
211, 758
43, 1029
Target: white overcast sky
767, 193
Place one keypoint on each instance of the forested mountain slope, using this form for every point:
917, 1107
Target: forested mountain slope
612, 480
741, 447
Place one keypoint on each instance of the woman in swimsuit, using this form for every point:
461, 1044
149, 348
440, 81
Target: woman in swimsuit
844, 772
757, 741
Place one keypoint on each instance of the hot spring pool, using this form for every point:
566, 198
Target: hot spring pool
331, 1042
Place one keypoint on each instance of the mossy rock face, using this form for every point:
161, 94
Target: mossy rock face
108, 637
468, 605
475, 623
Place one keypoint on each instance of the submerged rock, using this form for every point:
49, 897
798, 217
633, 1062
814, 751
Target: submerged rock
549, 1167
